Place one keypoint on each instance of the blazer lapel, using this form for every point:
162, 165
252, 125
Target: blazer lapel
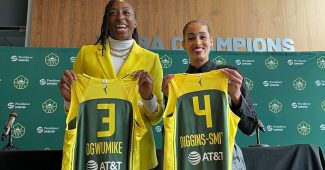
105, 62
129, 64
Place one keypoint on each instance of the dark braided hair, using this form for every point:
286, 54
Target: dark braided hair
104, 34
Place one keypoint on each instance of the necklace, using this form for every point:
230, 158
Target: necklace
120, 53
122, 56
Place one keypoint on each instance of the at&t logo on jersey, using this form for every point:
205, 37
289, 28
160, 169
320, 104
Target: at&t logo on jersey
194, 158
107, 165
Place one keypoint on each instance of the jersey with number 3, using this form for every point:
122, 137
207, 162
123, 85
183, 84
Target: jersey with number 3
199, 126
103, 126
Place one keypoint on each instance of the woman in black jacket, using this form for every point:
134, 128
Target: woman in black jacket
197, 42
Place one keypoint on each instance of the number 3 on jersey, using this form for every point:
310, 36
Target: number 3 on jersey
110, 120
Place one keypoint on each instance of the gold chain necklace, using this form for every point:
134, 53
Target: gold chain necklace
115, 52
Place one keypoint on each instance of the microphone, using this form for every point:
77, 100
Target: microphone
8, 125
260, 125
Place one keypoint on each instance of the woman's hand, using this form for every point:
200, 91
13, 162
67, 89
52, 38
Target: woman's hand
65, 84
234, 83
145, 83
165, 82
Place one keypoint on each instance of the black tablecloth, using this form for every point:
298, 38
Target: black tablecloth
291, 157
31, 160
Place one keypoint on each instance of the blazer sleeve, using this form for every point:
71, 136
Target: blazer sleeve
156, 72
246, 111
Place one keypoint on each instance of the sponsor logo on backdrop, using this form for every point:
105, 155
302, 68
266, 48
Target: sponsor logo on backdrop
323, 105
296, 62
15, 58
321, 62
49, 82
322, 127
272, 83
166, 61
276, 128
18, 105
249, 83
49, 106
299, 84
320, 83
52, 60
18, 130
300, 105
48, 130
244, 62
303, 128
271, 63
186, 61
158, 128
72, 59
93, 165
219, 61
275, 106
20, 82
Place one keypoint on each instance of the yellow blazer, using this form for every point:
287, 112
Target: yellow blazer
92, 62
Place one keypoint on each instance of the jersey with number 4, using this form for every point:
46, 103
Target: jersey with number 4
103, 126
199, 126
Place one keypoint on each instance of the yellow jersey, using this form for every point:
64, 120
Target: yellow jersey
199, 126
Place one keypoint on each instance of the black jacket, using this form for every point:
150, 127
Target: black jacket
248, 121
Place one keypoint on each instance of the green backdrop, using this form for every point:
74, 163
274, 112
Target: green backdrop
288, 90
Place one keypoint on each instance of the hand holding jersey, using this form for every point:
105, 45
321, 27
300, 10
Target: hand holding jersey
234, 84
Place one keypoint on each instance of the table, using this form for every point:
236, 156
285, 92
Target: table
291, 157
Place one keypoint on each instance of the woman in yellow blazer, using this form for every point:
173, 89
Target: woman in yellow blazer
115, 55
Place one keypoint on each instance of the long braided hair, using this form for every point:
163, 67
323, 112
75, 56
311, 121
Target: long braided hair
104, 34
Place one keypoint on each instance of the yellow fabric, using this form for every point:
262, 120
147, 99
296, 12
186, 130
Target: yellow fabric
92, 62
88, 88
183, 84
